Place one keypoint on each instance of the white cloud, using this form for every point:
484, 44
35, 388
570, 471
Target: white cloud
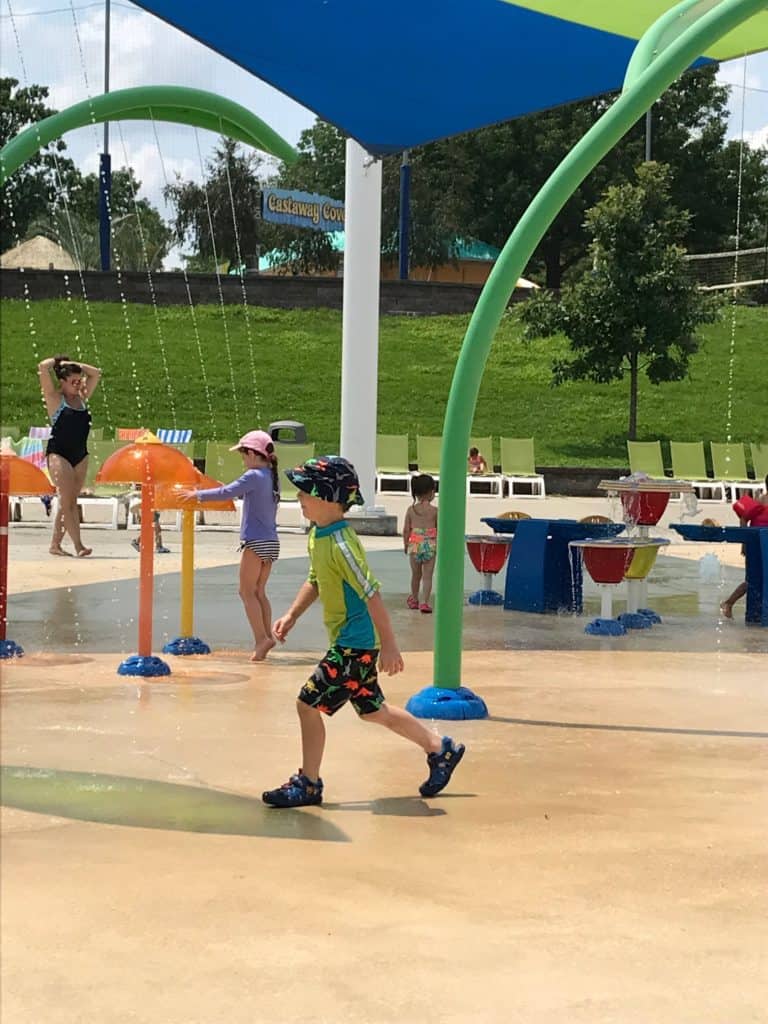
757, 139
748, 104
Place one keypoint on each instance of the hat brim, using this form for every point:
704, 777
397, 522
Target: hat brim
305, 481
304, 484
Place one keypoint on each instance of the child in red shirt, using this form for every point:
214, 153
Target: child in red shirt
751, 512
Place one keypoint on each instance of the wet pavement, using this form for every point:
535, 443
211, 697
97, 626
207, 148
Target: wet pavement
598, 857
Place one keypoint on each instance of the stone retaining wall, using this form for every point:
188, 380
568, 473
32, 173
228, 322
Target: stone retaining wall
407, 298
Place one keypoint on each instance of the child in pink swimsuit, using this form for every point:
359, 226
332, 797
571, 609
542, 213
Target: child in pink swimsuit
420, 541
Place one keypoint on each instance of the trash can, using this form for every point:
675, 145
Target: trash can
288, 432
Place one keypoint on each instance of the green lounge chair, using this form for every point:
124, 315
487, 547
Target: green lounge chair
289, 515
288, 456
392, 461
730, 466
428, 455
221, 463
760, 460
645, 457
518, 466
688, 464
225, 466
13, 432
485, 485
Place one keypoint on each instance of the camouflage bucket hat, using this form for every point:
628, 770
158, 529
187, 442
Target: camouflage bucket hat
328, 477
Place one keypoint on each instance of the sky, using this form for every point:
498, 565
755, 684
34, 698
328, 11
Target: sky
60, 43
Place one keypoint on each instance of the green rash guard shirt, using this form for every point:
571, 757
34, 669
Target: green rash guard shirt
345, 584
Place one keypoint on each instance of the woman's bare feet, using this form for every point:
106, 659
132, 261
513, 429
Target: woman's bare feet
726, 610
84, 552
55, 550
261, 650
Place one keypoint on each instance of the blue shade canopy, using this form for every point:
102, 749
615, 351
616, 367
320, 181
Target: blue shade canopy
399, 73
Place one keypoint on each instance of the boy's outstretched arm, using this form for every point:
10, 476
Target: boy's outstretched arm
390, 658
306, 596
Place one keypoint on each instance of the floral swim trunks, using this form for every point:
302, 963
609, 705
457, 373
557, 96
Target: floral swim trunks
344, 674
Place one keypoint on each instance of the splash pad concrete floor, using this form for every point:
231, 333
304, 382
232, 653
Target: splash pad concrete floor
599, 856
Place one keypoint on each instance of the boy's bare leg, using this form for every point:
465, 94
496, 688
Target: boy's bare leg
727, 606
312, 739
405, 725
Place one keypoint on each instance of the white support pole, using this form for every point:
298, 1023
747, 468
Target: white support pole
360, 319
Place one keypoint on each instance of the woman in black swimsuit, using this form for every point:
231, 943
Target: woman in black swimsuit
68, 445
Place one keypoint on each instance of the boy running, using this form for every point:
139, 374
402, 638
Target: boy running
360, 634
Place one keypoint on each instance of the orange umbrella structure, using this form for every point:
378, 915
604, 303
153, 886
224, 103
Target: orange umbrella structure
169, 496
147, 462
17, 476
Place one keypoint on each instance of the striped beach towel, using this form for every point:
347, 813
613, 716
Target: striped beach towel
129, 433
40, 432
169, 436
31, 450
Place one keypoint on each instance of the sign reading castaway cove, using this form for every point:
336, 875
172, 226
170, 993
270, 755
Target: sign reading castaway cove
302, 209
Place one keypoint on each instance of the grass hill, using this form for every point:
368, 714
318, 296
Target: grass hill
262, 364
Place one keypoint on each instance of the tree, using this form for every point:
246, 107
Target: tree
49, 195
30, 193
512, 161
140, 237
204, 213
637, 309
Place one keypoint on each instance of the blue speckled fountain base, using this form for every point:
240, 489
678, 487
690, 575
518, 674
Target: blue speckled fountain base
10, 649
447, 703
605, 627
138, 665
486, 597
186, 645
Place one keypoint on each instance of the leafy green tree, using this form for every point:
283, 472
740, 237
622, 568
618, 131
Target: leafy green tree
637, 309
31, 192
511, 161
49, 195
140, 237
204, 213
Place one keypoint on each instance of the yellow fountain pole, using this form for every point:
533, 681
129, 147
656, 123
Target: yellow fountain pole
187, 571
170, 497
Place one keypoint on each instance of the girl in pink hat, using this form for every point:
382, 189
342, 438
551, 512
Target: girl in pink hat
259, 487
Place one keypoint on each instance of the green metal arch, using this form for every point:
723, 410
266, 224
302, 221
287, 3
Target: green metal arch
669, 47
149, 102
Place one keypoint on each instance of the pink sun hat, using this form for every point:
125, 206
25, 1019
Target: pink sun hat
256, 440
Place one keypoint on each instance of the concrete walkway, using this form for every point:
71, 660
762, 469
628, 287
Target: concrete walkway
599, 856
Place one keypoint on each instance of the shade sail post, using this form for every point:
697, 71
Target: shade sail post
360, 317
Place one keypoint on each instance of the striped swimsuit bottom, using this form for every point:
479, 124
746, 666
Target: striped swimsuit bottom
267, 550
